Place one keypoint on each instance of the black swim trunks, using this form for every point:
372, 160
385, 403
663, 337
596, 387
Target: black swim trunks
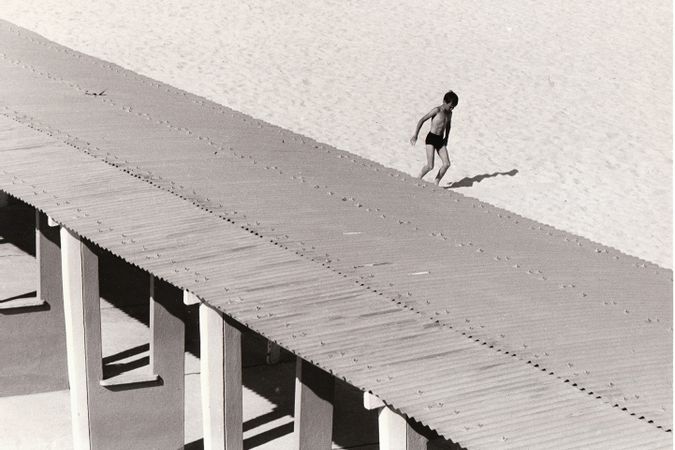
435, 140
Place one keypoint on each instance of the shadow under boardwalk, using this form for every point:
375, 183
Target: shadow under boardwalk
32, 327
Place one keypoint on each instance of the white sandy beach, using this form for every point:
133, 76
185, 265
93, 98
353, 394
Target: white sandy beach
574, 96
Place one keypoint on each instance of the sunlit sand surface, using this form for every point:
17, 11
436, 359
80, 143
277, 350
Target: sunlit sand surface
565, 112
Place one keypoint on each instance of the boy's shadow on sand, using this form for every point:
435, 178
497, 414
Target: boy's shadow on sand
469, 181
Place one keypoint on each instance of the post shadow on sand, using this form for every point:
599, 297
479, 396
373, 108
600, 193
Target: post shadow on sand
111, 366
23, 309
20, 296
469, 181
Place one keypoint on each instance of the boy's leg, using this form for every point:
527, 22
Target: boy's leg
443, 154
430, 162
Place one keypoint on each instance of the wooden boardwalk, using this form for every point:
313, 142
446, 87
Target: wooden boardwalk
492, 329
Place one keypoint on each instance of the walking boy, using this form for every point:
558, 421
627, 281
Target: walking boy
437, 139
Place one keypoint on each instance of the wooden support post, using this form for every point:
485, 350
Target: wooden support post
396, 432
83, 330
167, 361
273, 354
221, 370
190, 299
48, 253
314, 394
371, 402
131, 410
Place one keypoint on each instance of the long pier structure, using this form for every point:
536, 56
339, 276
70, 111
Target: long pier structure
491, 329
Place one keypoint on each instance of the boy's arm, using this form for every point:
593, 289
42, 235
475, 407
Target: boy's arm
426, 117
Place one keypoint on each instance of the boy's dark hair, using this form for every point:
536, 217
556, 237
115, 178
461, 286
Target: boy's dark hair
451, 97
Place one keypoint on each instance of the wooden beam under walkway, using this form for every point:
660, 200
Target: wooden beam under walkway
314, 397
221, 372
396, 432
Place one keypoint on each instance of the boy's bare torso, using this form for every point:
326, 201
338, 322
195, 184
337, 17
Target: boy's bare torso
439, 122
